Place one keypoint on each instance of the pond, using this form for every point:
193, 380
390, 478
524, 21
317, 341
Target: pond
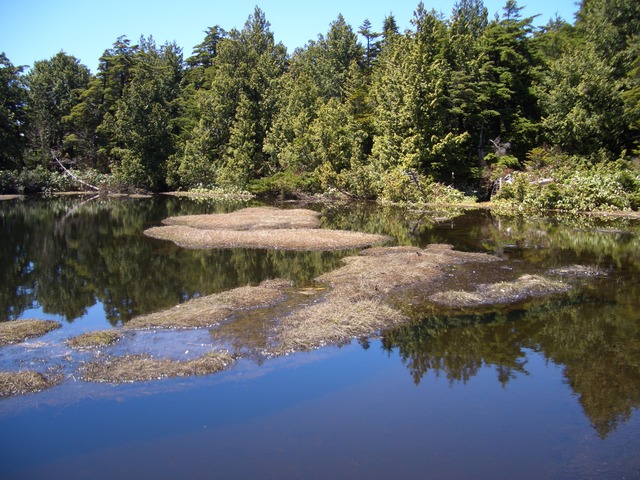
544, 389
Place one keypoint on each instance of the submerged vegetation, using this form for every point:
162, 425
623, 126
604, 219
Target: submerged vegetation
456, 108
525, 287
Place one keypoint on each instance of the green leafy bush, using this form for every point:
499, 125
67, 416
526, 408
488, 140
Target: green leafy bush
399, 186
572, 184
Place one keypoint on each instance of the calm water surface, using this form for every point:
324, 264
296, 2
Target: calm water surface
549, 390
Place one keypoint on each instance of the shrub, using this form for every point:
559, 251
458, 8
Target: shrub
573, 184
400, 186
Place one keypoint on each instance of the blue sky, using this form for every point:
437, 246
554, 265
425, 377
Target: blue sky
38, 29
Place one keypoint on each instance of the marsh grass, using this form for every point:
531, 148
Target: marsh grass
26, 381
359, 302
136, 368
334, 321
523, 288
303, 239
252, 218
16, 331
102, 338
212, 309
260, 227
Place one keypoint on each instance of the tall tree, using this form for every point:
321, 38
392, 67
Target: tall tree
238, 110
319, 74
55, 87
508, 72
92, 121
144, 119
373, 47
12, 114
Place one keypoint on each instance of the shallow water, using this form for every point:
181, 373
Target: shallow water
548, 390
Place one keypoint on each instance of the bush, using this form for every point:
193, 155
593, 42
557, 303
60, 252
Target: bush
286, 184
573, 185
399, 186
8, 182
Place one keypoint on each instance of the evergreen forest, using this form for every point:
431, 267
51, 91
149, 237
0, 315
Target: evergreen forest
461, 107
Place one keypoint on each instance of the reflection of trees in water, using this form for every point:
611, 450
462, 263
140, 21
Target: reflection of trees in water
608, 242
65, 257
65, 254
597, 343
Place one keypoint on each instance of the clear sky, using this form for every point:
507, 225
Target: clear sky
33, 30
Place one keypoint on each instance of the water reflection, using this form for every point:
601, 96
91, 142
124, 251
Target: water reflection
597, 343
64, 255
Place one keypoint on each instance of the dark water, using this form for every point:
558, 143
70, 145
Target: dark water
547, 391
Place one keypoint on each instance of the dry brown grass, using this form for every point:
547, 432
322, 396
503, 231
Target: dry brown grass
334, 321
98, 339
253, 218
136, 368
279, 239
380, 271
358, 304
17, 331
212, 309
260, 227
26, 381
524, 288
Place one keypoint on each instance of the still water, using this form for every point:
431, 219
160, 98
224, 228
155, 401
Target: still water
547, 391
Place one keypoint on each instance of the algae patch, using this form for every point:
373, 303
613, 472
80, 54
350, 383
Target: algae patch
136, 368
260, 227
579, 271
16, 331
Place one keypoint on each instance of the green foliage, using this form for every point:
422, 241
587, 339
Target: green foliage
286, 184
408, 187
337, 115
573, 187
55, 87
12, 114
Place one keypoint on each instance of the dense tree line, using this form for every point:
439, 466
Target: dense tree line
452, 100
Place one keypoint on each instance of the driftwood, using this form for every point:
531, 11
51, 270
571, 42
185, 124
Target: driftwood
71, 174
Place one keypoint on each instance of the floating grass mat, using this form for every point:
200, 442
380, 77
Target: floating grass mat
253, 218
524, 288
16, 331
380, 271
136, 368
359, 304
280, 239
334, 321
102, 338
26, 381
260, 227
212, 309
